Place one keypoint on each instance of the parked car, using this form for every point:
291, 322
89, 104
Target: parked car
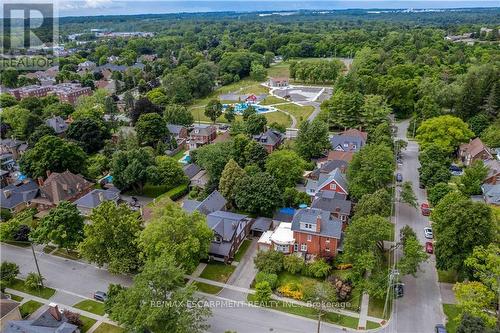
425, 209
456, 170
399, 290
399, 177
428, 233
429, 248
440, 328
100, 296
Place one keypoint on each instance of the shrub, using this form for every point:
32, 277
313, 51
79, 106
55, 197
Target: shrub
33, 281
269, 261
263, 292
292, 290
178, 192
318, 268
73, 318
270, 278
293, 264
8, 272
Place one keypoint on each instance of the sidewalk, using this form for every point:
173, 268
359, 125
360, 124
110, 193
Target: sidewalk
363, 313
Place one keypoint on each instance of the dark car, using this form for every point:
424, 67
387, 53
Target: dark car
100, 296
399, 290
399, 177
439, 328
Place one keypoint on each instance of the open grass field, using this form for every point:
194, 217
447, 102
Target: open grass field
301, 113
42, 292
91, 306
272, 100
216, 271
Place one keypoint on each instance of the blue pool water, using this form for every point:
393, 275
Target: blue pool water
185, 159
108, 179
240, 107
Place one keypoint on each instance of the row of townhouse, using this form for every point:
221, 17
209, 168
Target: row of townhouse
65, 92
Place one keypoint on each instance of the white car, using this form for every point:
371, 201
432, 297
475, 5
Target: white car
428, 233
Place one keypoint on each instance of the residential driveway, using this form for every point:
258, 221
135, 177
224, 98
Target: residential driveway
243, 275
447, 293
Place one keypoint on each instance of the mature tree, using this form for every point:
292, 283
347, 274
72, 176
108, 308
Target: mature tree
484, 265
250, 110
312, 140
363, 244
370, 169
255, 154
88, 133
98, 165
447, 132
344, 108
230, 114
151, 128
62, 226
459, 225
477, 300
427, 107
167, 172
185, 236
8, 273
7, 100
270, 262
258, 72
258, 193
213, 158
213, 109
478, 123
286, 167
491, 135
238, 145
294, 198
382, 134
178, 114
437, 192
471, 324
34, 281
22, 122
111, 238
40, 132
159, 300
130, 168
58, 109
473, 177
413, 254
374, 111
230, 176
377, 203
129, 101
143, 106
407, 195
434, 161
54, 154
255, 124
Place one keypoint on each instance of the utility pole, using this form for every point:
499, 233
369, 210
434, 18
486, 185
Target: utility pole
36, 263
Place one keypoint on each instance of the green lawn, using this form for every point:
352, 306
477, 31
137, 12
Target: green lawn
179, 154
376, 307
42, 292
15, 297
87, 323
281, 69
285, 278
278, 117
91, 306
207, 288
216, 271
311, 313
301, 113
451, 311
447, 276
242, 250
370, 325
108, 328
29, 307
272, 100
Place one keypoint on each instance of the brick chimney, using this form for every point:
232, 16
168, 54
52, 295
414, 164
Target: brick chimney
54, 311
318, 223
40, 181
48, 172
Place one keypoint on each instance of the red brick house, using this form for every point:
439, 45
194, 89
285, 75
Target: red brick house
333, 181
316, 233
473, 151
271, 140
202, 135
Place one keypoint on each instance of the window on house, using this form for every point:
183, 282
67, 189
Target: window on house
303, 247
309, 238
343, 217
333, 186
354, 146
218, 238
295, 247
328, 240
327, 249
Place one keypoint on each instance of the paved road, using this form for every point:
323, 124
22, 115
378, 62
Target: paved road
420, 308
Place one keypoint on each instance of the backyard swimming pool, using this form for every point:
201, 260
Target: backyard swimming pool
240, 107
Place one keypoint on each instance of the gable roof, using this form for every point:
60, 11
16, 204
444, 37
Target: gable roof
7, 305
348, 143
22, 192
340, 155
58, 124
63, 186
491, 193
191, 169
269, 137
328, 167
493, 167
214, 202
45, 323
474, 147
332, 202
326, 178
175, 129
224, 223
355, 132
203, 129
97, 196
329, 227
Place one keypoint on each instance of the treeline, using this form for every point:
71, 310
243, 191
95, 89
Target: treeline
316, 71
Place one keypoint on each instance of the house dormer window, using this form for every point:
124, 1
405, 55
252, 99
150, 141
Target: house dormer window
333, 186
218, 238
306, 226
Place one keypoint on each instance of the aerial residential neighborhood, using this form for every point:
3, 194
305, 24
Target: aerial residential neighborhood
287, 167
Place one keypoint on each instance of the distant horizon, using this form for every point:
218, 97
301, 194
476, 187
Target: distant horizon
95, 8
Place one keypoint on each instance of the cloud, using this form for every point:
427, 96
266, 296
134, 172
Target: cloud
97, 3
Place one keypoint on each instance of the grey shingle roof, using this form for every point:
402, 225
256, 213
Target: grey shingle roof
329, 227
328, 167
58, 124
45, 323
269, 137
491, 193
214, 202
15, 194
224, 223
331, 201
190, 170
350, 140
93, 198
262, 224
325, 178
174, 129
